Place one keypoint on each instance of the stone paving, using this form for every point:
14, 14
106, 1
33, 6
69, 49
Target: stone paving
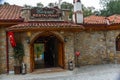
97, 72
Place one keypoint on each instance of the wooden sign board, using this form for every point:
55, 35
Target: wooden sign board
37, 12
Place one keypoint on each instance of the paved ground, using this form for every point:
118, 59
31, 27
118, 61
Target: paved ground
98, 72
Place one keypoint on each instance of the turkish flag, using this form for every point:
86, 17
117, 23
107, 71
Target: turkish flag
11, 38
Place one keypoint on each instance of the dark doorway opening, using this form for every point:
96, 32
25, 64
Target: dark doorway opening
46, 52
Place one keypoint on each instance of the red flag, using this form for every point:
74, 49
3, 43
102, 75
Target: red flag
11, 38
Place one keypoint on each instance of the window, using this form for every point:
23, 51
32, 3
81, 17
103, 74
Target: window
118, 43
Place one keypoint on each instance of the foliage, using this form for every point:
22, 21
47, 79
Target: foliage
27, 6
39, 49
87, 11
110, 7
51, 5
18, 53
66, 5
40, 5
6, 3
104, 2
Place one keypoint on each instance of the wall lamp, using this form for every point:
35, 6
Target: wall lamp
65, 39
28, 37
28, 40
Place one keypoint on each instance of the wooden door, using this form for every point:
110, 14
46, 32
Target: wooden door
60, 55
32, 58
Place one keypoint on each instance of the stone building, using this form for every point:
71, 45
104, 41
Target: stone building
51, 40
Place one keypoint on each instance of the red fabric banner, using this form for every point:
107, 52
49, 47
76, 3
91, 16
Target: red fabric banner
11, 38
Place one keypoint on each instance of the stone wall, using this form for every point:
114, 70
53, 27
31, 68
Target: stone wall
27, 51
18, 38
69, 48
2, 50
97, 47
11, 58
68, 45
111, 45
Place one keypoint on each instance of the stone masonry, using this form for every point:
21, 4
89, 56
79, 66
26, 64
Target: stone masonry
2, 50
96, 47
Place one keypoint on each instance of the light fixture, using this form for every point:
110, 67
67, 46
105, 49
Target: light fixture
28, 40
28, 37
61, 32
65, 39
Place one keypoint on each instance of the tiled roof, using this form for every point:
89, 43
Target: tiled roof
114, 19
94, 20
10, 12
46, 25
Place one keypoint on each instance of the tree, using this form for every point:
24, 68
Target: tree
51, 5
27, 6
40, 5
110, 7
104, 2
69, 6
66, 5
19, 53
87, 11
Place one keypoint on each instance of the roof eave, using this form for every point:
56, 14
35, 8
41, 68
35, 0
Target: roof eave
73, 29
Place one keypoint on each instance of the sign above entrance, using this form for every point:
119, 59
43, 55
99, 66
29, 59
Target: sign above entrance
46, 12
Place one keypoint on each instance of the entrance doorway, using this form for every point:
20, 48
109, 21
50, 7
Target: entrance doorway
47, 52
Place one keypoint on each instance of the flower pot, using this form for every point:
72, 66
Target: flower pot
17, 69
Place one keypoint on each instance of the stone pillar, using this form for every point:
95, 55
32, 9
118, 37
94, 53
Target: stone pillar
69, 48
11, 58
3, 67
26, 59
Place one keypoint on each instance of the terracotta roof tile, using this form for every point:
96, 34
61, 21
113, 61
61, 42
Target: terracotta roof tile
57, 25
10, 12
94, 20
114, 19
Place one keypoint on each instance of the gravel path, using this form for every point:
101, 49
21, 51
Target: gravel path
98, 72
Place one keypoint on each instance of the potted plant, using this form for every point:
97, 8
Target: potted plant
18, 56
